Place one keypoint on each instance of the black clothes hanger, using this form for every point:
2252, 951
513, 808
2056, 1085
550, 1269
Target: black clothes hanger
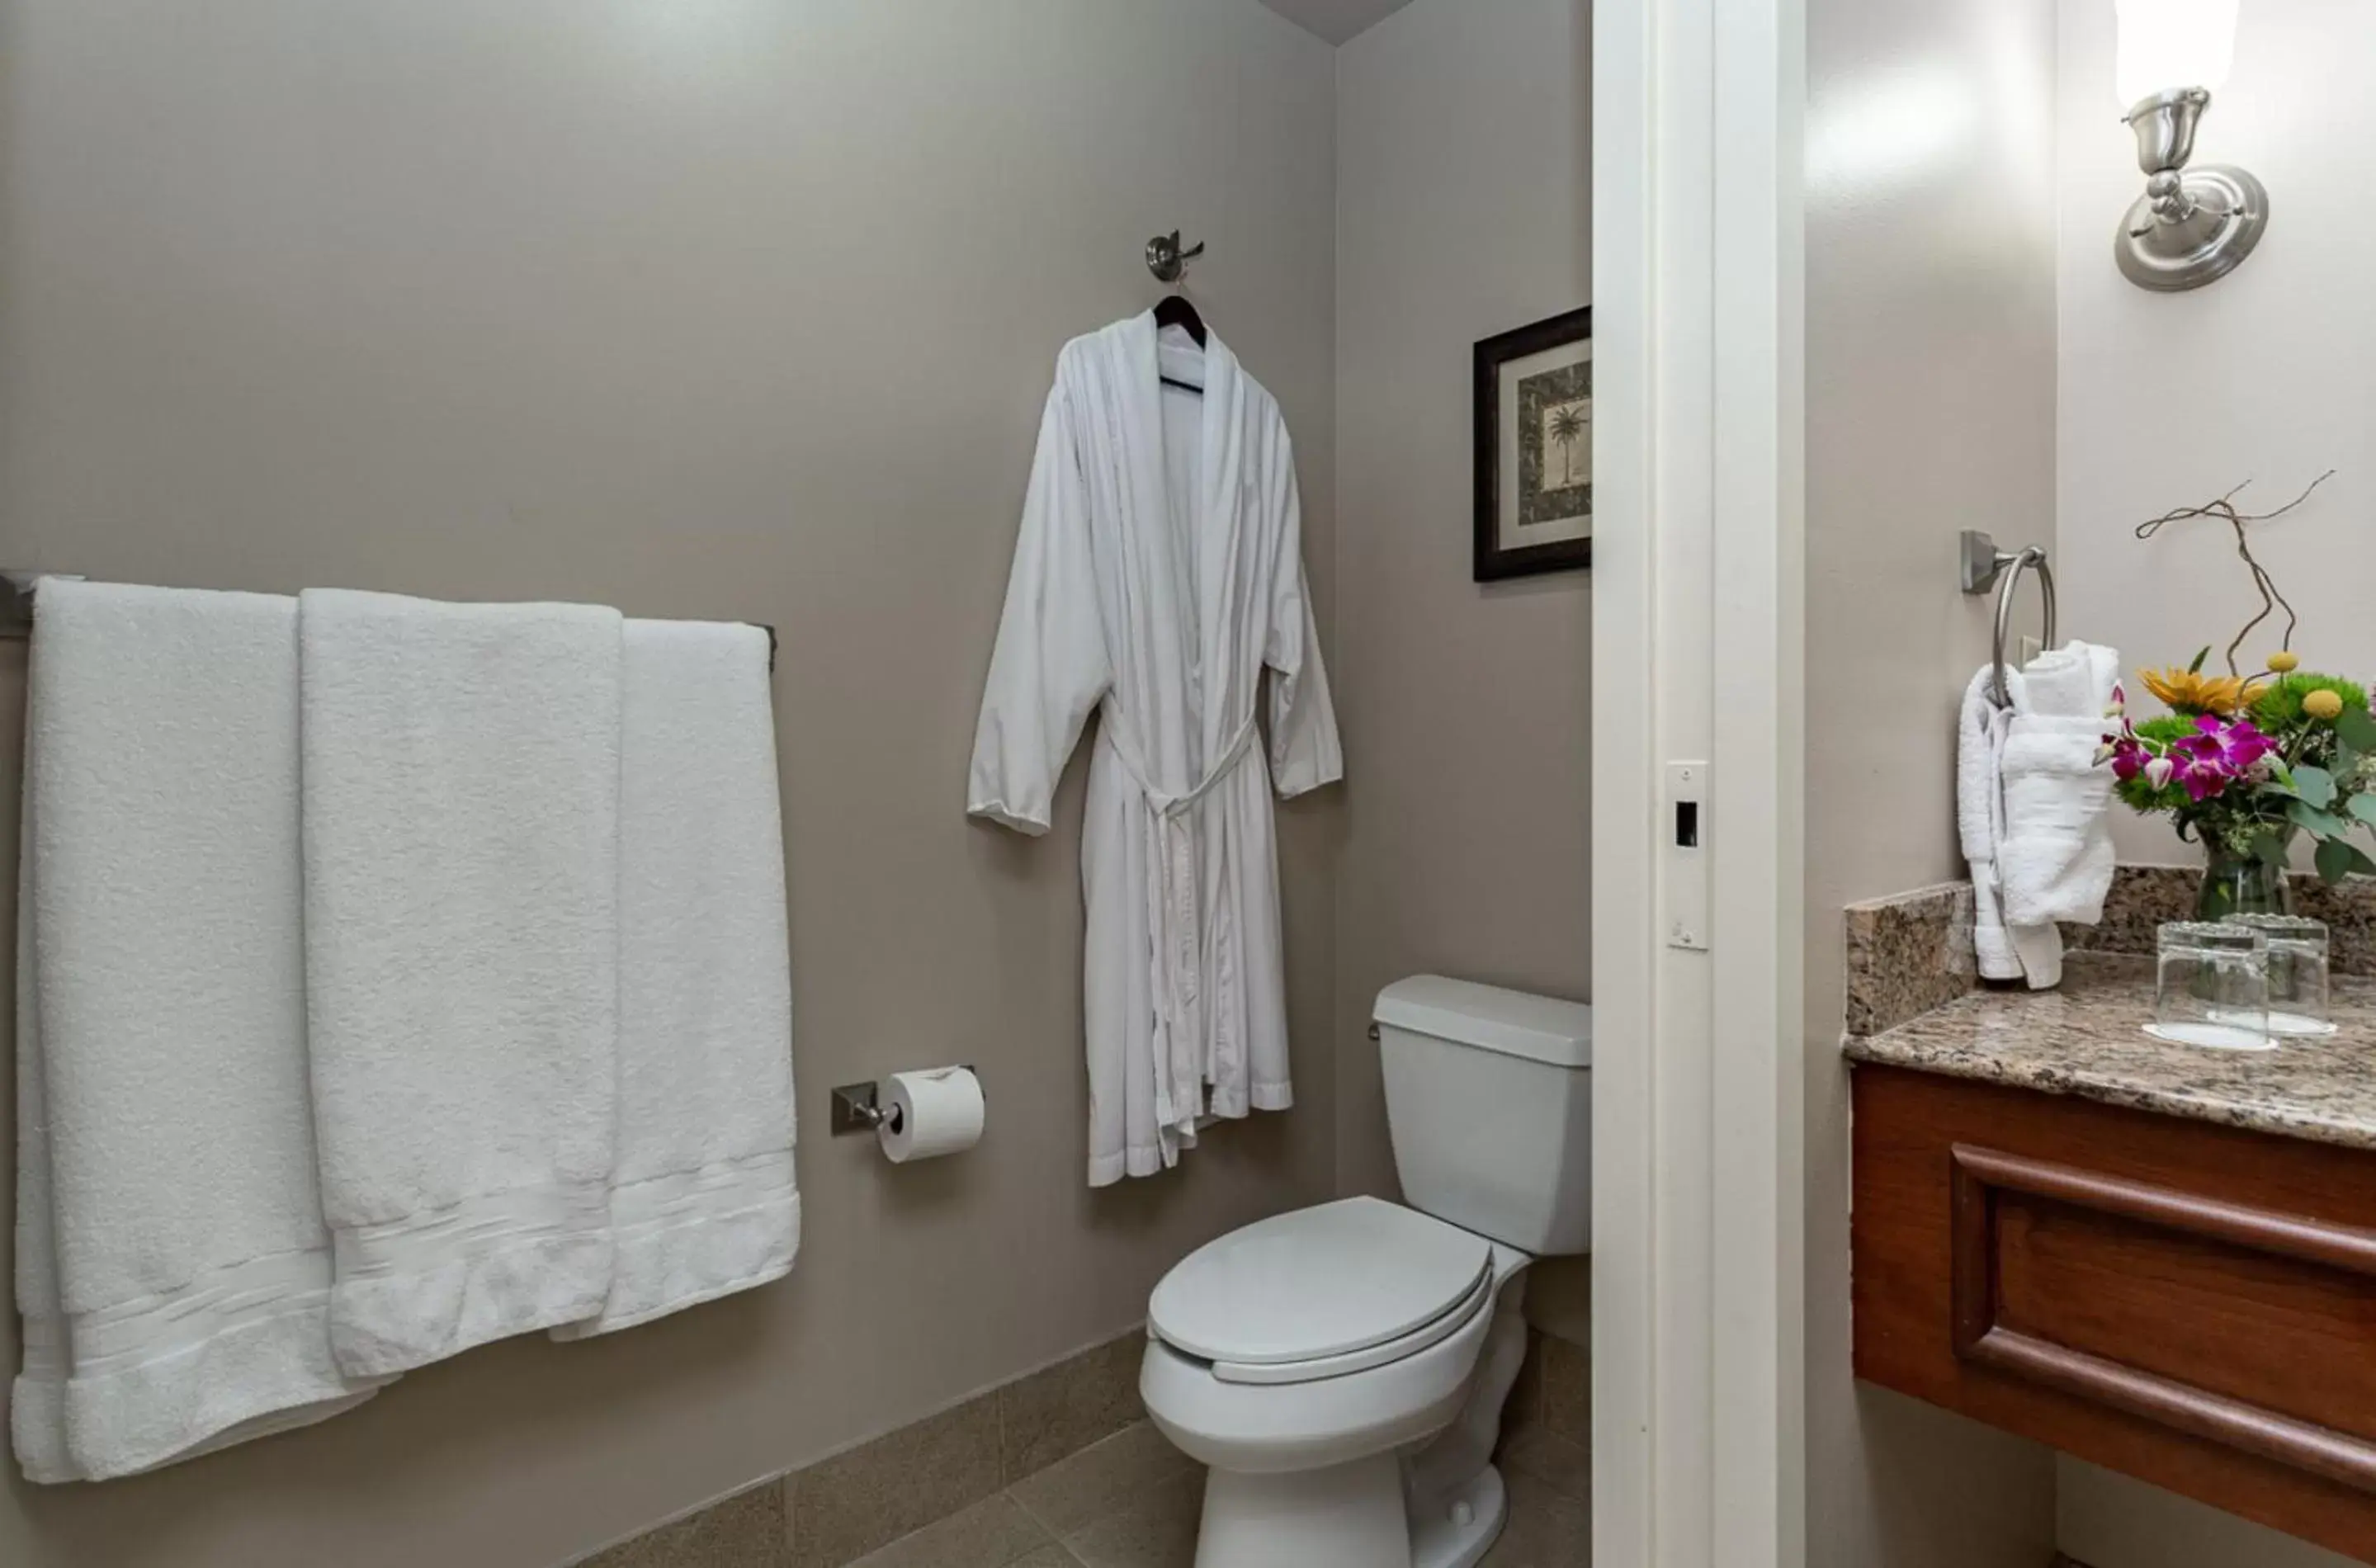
1173, 310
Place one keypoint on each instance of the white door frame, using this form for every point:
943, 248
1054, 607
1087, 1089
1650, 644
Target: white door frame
1698, 1407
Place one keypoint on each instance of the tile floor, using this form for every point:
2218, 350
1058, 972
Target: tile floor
1059, 1468
1132, 1501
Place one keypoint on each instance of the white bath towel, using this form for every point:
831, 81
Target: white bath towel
174, 1269
2054, 858
702, 1201
2075, 681
461, 829
2003, 951
37, 1402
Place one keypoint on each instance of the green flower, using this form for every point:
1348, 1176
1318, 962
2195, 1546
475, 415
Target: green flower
2283, 707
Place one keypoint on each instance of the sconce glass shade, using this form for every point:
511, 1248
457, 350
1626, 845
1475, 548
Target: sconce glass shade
2166, 44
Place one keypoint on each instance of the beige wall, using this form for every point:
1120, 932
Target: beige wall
1930, 330
1464, 210
2106, 1520
2168, 400
713, 308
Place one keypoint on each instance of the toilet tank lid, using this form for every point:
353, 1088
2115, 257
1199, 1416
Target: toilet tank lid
1541, 1028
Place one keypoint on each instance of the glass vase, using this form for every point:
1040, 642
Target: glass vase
2241, 885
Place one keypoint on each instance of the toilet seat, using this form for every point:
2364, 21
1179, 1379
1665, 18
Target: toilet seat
1322, 1292
1274, 1373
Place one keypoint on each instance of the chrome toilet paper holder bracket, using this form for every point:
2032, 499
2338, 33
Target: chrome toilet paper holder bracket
859, 1108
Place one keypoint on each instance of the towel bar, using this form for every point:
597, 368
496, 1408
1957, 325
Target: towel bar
16, 606
1983, 565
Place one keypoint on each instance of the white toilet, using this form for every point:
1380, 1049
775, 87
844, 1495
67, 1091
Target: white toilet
1342, 1368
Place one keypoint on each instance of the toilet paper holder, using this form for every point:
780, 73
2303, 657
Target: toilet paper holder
858, 1107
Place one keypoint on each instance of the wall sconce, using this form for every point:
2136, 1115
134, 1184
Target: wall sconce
2192, 226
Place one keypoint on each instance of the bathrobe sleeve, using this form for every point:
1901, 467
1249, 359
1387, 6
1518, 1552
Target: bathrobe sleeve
1304, 752
1050, 666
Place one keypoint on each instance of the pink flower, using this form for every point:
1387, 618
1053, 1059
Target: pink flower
2128, 759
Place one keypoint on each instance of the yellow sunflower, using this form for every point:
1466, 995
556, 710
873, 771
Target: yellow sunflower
2191, 691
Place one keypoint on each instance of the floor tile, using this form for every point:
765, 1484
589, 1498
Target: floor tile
1558, 1463
1102, 1478
990, 1534
744, 1531
846, 1507
1567, 1388
1546, 1530
1159, 1531
1064, 1408
1048, 1556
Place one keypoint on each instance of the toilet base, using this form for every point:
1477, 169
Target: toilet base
1342, 1517
1345, 1516
1463, 1532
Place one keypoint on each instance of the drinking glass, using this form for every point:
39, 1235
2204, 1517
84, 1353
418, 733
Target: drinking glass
2298, 973
2212, 986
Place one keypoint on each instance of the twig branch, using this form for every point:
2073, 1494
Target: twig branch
2225, 510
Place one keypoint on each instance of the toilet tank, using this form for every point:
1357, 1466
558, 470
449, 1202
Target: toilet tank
1489, 1097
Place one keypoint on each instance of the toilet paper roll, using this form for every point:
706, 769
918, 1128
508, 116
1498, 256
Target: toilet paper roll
929, 1114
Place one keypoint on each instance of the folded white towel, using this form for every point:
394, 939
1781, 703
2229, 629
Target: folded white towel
2054, 858
461, 830
172, 1267
703, 1202
2003, 950
2075, 681
37, 1403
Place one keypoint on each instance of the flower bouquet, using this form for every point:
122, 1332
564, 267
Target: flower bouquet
2245, 765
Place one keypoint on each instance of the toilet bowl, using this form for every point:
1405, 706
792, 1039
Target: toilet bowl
1315, 1404
1341, 1368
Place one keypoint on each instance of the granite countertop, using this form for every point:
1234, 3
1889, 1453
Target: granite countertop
2088, 1039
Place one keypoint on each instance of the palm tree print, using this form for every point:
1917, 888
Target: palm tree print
1566, 428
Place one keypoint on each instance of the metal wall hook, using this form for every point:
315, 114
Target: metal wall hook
1983, 566
1166, 260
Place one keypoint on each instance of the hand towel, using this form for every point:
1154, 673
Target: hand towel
174, 1269
703, 1202
2054, 860
2003, 950
461, 830
2075, 681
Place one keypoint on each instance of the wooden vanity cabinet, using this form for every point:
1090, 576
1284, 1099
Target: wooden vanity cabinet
2189, 1303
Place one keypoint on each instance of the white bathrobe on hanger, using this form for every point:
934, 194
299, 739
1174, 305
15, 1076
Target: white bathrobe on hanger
1158, 573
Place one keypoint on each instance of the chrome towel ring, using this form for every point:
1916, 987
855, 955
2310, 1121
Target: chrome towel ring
1984, 566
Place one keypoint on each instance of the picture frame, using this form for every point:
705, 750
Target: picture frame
1532, 401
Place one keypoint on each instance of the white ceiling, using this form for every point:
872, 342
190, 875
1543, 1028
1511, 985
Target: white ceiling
1336, 21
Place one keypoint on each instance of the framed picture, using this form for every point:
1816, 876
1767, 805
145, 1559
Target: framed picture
1534, 448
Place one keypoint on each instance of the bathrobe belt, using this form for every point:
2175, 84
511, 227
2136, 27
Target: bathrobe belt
1175, 923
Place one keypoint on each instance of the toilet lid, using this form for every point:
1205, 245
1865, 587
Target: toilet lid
1317, 1282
